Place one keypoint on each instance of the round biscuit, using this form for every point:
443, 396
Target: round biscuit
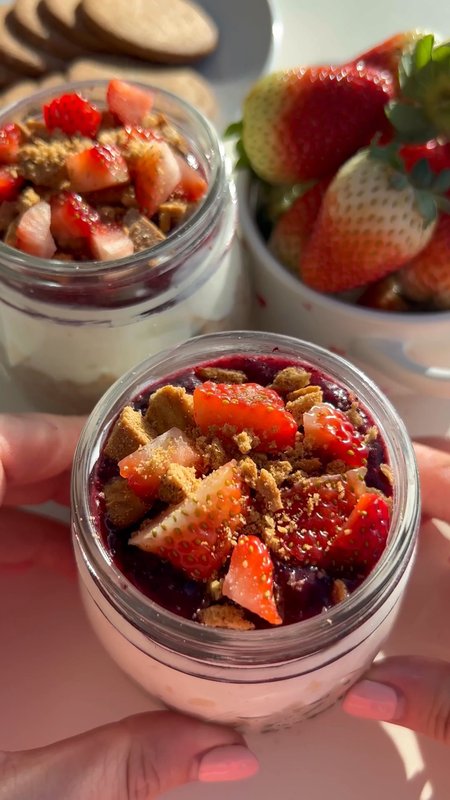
184, 82
65, 16
164, 31
34, 29
18, 91
16, 54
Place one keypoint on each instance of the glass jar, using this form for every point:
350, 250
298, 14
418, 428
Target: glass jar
68, 331
259, 679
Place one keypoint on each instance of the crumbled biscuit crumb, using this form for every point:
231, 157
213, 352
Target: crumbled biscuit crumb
170, 407
225, 616
130, 432
44, 163
221, 375
387, 472
371, 435
249, 472
177, 483
246, 441
212, 451
214, 588
280, 471
336, 467
339, 592
302, 400
27, 198
123, 507
290, 379
142, 232
307, 465
171, 214
354, 416
266, 486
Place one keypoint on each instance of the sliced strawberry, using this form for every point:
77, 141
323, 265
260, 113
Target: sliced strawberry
10, 140
192, 186
195, 535
109, 242
33, 231
331, 434
359, 546
10, 184
157, 173
129, 103
249, 580
98, 167
73, 220
245, 406
72, 114
144, 468
313, 513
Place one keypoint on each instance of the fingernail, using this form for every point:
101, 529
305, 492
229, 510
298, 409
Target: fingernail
231, 763
373, 700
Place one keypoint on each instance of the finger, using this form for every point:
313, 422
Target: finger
139, 757
412, 692
434, 472
436, 442
56, 489
33, 448
28, 540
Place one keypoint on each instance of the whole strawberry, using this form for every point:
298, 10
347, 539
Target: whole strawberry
373, 220
427, 278
304, 123
293, 227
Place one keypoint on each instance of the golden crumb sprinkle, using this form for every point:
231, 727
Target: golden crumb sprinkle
27, 198
339, 592
303, 400
354, 416
225, 616
129, 432
171, 214
290, 379
266, 487
170, 407
212, 451
245, 441
221, 375
371, 435
44, 163
336, 467
280, 470
177, 483
142, 232
123, 507
249, 472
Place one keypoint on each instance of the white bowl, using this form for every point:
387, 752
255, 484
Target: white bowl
407, 354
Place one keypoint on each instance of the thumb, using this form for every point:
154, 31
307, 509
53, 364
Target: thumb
412, 692
138, 758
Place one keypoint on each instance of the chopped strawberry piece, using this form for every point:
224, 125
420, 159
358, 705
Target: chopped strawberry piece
109, 242
144, 468
72, 114
73, 220
192, 186
129, 103
330, 433
359, 546
313, 513
195, 535
98, 167
10, 185
249, 580
245, 406
10, 140
33, 231
157, 173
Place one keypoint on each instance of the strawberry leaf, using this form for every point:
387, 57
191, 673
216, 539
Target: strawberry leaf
410, 122
443, 204
421, 174
441, 182
427, 205
423, 51
234, 129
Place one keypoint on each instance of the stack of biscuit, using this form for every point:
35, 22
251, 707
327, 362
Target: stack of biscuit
46, 42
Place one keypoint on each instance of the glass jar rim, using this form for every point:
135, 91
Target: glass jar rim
256, 647
192, 227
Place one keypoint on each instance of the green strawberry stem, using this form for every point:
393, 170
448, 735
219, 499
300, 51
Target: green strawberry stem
429, 188
423, 110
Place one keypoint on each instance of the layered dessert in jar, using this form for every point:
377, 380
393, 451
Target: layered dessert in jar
244, 525
117, 218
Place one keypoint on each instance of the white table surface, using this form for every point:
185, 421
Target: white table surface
55, 679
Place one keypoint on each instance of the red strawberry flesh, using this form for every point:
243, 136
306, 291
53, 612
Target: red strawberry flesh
97, 168
144, 468
10, 140
72, 114
249, 580
129, 103
359, 546
330, 433
232, 408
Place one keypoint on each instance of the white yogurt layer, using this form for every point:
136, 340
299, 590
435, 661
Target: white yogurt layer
256, 705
